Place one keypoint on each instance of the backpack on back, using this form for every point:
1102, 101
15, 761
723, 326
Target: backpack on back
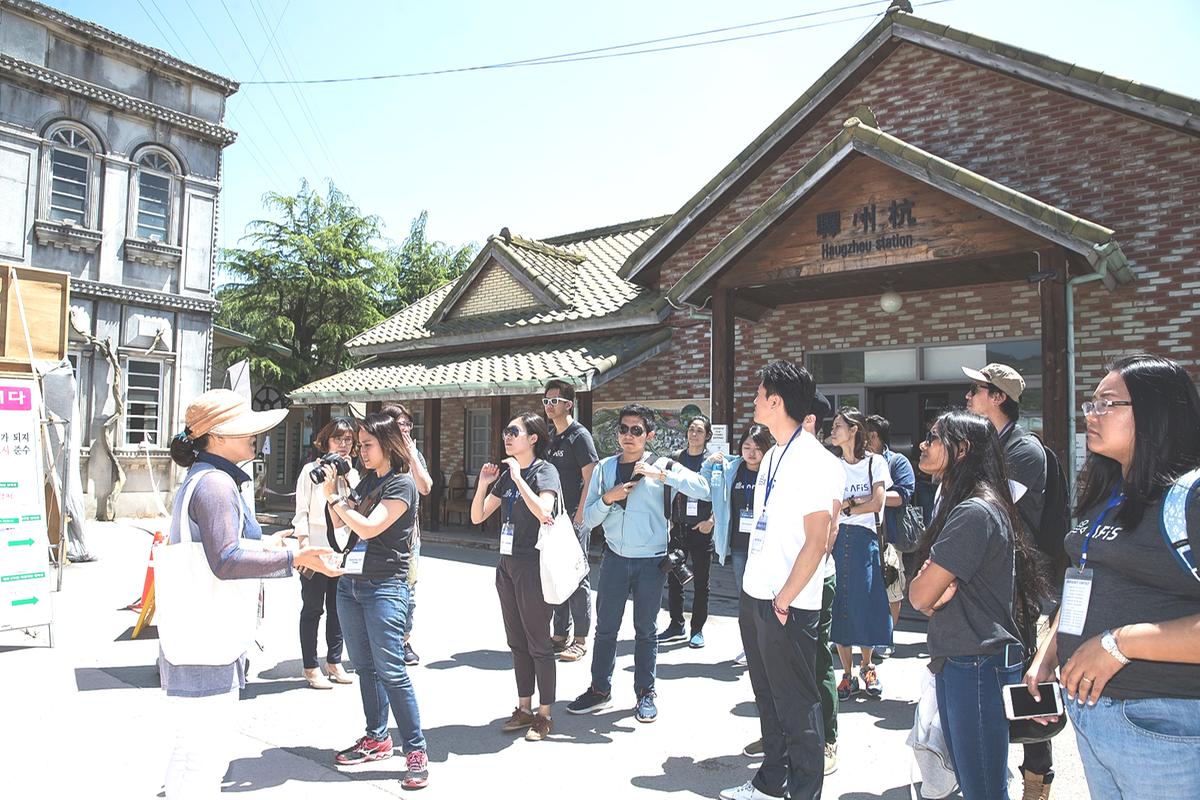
1056, 515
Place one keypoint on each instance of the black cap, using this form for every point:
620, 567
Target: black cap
821, 407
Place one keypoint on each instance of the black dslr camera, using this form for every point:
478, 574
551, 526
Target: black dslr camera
339, 464
675, 563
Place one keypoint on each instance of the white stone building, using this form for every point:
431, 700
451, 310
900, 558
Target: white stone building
110, 169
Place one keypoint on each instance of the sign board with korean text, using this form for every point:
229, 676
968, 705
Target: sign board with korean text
25, 581
868, 215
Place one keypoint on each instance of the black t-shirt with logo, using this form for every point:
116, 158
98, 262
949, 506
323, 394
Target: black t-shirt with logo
388, 553
541, 477
571, 451
741, 496
1135, 578
703, 507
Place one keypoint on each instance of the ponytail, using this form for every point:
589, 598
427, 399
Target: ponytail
184, 448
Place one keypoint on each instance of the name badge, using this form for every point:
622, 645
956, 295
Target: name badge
693, 507
746, 521
355, 558
507, 532
1077, 593
760, 534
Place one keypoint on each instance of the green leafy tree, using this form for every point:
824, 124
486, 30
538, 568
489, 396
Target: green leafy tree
422, 266
313, 277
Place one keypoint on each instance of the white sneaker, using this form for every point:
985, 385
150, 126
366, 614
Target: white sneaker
746, 791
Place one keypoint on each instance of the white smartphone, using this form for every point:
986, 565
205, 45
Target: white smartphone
1019, 703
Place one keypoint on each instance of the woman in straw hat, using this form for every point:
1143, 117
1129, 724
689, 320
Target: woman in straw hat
207, 584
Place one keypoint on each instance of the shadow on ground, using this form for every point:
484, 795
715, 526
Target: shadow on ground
705, 778
90, 679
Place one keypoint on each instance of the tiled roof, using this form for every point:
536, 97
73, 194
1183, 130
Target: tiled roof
578, 270
1093, 242
515, 370
894, 28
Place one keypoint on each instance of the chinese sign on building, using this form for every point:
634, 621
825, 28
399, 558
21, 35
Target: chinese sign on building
869, 228
24, 554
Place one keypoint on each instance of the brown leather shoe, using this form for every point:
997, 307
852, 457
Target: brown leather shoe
540, 728
519, 720
1036, 787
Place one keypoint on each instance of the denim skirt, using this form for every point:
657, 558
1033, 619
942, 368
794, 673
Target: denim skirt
861, 616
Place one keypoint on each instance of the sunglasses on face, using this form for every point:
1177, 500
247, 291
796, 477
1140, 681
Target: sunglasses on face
930, 438
630, 430
512, 432
554, 401
976, 388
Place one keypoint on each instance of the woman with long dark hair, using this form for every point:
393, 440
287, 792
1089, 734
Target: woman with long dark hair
861, 616
312, 523
1126, 640
529, 493
373, 594
980, 585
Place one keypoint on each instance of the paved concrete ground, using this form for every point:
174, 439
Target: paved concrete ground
86, 716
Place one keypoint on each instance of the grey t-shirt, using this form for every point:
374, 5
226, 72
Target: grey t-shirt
976, 545
1135, 578
1025, 463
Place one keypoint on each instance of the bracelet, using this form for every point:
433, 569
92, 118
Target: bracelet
783, 612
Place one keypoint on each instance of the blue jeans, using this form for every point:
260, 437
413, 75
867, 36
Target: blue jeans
372, 613
973, 721
739, 568
621, 577
1138, 748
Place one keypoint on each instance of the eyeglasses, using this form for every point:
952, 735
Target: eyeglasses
346, 439
404, 424
631, 430
1101, 407
512, 432
554, 401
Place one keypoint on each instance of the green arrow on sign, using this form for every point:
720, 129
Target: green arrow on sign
21, 542
28, 601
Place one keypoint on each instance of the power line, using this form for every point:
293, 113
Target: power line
600, 53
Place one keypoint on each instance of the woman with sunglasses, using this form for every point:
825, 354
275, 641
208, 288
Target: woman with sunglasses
528, 494
861, 615
318, 593
1126, 640
980, 586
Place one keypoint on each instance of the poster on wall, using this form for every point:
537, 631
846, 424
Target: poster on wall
670, 424
24, 546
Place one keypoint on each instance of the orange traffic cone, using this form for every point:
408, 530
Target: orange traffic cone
148, 583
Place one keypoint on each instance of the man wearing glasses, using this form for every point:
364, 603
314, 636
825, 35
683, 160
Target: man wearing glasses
994, 394
573, 454
627, 496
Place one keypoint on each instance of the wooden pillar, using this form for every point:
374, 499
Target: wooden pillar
501, 413
583, 409
722, 389
1055, 402
433, 449
321, 417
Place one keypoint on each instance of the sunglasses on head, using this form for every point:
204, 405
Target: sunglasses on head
512, 432
631, 430
553, 401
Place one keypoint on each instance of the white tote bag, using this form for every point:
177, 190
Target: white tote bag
202, 620
562, 562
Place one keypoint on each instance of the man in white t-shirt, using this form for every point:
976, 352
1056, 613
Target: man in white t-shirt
798, 493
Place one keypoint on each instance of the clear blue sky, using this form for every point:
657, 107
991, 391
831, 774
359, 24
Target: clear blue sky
557, 148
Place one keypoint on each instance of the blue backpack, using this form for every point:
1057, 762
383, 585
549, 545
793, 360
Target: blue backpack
1184, 491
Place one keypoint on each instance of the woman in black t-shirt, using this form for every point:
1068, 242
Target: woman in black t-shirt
526, 489
373, 595
1129, 658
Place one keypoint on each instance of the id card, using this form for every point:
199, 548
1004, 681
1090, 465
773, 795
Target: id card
746, 521
507, 532
693, 507
355, 558
759, 536
1077, 593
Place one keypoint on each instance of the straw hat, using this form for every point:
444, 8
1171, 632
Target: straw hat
227, 413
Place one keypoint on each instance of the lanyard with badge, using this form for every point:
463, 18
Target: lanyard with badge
355, 558
759, 536
746, 512
1077, 586
507, 529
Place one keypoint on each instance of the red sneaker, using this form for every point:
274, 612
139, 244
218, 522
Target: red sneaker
418, 770
364, 750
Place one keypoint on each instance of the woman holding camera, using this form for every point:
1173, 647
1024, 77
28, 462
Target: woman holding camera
207, 595
980, 587
373, 594
528, 493
312, 522
1126, 640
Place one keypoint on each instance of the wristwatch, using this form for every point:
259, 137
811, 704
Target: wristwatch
1109, 642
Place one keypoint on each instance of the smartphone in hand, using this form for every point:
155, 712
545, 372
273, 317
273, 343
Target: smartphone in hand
1019, 703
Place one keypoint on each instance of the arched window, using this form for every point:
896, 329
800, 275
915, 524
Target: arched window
155, 173
71, 153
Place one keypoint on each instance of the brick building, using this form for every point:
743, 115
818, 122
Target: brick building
935, 199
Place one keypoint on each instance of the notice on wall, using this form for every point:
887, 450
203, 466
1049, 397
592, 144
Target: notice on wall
24, 545
720, 439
